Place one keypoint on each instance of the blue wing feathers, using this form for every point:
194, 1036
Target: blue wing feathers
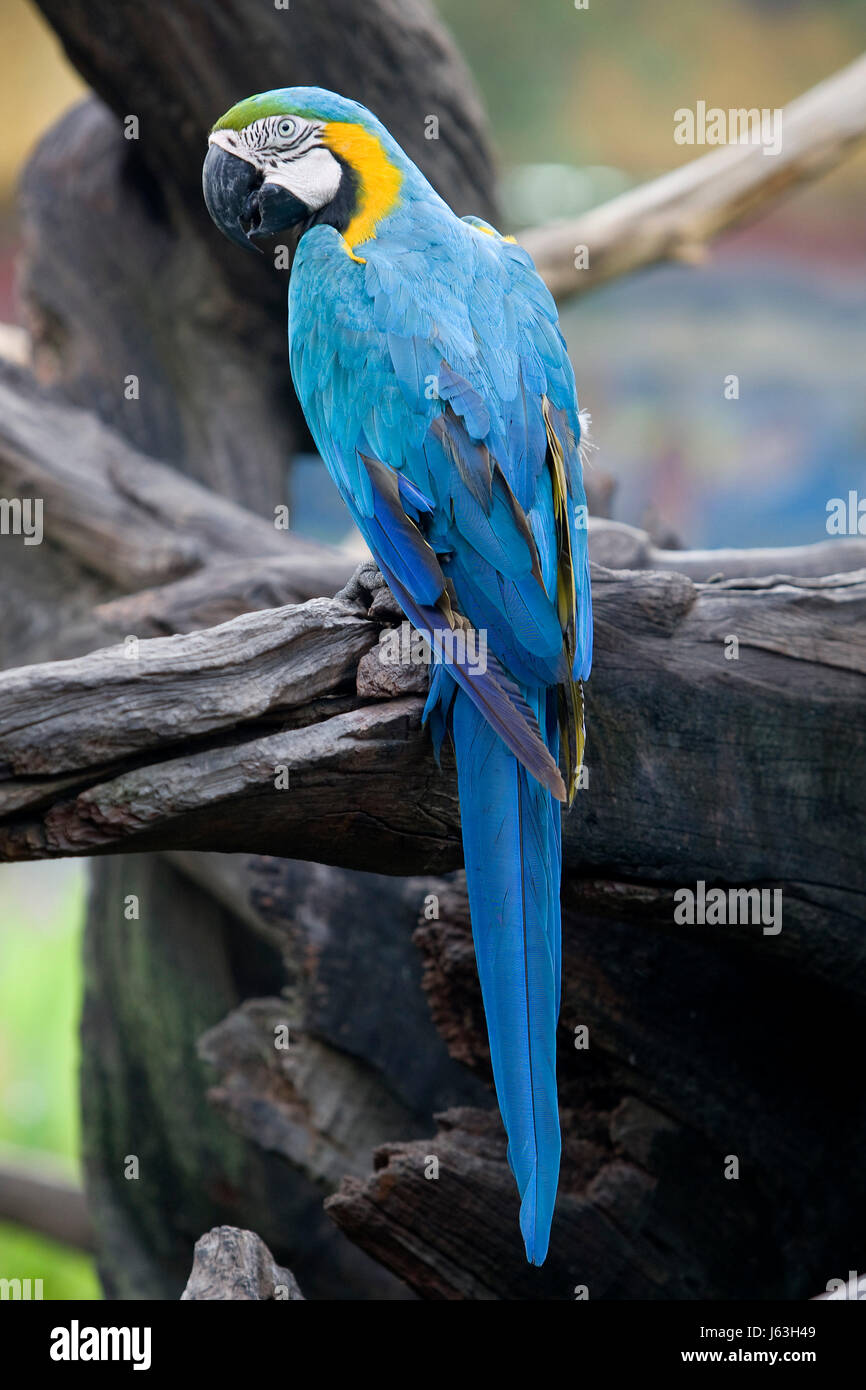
464, 400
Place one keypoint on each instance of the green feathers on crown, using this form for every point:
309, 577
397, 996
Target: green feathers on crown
313, 103
255, 109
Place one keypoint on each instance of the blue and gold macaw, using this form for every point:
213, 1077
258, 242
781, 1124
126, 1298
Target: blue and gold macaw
426, 355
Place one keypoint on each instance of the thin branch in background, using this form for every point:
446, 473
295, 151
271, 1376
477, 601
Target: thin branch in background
36, 1192
673, 218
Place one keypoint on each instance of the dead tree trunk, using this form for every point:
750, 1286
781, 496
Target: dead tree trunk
231, 913
124, 277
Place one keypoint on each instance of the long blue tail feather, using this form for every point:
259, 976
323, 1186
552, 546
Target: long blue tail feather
511, 843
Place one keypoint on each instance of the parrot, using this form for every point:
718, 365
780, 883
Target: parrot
426, 354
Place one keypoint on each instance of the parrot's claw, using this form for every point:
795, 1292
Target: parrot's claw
368, 589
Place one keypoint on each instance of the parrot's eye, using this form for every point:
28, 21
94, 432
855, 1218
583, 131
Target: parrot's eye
285, 128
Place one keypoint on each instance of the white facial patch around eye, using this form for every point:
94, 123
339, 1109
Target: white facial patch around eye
267, 137
313, 177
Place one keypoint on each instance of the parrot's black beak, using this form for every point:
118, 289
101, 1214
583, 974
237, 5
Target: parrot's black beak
243, 205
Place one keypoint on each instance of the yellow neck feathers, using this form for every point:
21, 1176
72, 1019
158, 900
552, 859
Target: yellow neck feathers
378, 179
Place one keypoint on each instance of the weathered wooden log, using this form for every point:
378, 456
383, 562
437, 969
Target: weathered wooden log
155, 983
443, 1211
735, 678
114, 522
270, 1092
116, 512
258, 665
618, 546
140, 314
709, 1138
237, 1266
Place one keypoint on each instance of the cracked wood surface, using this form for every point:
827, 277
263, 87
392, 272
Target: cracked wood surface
236, 1266
179, 748
678, 1048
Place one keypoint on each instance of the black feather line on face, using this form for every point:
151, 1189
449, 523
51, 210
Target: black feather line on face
341, 209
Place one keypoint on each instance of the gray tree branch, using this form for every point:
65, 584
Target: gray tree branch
675, 217
179, 747
36, 1193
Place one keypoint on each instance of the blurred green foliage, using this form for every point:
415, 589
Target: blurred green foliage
598, 86
42, 908
65, 1273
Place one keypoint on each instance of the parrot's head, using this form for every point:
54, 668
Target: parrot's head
298, 156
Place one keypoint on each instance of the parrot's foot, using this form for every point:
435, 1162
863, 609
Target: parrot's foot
388, 670
367, 589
